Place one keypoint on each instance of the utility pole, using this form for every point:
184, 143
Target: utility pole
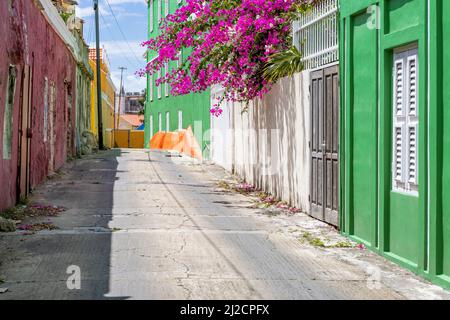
99, 78
120, 95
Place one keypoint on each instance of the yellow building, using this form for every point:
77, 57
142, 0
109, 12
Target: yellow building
108, 98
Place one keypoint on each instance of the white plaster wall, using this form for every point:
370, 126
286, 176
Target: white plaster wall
268, 144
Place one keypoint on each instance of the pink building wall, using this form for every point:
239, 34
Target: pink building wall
28, 39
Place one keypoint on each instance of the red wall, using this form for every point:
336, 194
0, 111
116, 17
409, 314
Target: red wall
27, 38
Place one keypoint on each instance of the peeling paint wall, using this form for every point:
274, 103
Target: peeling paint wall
31, 40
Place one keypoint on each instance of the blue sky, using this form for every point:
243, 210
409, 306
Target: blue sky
123, 51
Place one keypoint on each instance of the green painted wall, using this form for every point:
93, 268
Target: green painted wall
412, 230
194, 107
444, 216
363, 140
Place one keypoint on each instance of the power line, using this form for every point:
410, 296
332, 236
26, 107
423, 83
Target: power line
118, 46
122, 33
90, 27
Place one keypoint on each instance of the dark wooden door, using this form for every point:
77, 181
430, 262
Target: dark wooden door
325, 145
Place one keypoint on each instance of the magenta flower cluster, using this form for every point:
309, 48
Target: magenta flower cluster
228, 41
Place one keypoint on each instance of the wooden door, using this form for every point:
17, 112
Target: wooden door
23, 181
325, 145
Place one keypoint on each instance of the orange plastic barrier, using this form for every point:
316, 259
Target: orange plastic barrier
191, 146
157, 140
182, 141
171, 139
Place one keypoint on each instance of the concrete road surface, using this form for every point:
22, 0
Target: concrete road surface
142, 225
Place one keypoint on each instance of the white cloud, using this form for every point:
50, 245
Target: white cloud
121, 49
130, 82
85, 12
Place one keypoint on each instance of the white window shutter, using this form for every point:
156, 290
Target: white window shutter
398, 155
399, 87
166, 7
412, 120
412, 155
405, 122
412, 85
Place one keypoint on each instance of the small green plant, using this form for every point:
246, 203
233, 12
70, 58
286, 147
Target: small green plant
224, 185
2, 280
314, 241
343, 244
12, 213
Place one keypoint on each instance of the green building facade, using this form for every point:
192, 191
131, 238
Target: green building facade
164, 112
395, 131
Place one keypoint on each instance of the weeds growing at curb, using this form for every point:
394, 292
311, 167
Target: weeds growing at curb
318, 242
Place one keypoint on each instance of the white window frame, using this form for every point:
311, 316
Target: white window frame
150, 87
405, 121
159, 122
159, 86
159, 11
167, 121
166, 84
151, 126
152, 14
180, 120
180, 58
166, 7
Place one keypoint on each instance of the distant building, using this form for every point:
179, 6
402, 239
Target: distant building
130, 121
134, 102
108, 96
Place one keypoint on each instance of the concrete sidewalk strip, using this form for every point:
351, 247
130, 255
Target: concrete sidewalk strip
140, 225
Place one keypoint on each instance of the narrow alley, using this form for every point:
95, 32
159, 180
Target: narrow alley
141, 224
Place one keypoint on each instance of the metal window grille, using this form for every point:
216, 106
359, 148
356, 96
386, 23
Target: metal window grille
315, 34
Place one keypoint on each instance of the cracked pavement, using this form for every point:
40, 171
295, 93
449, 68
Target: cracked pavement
141, 225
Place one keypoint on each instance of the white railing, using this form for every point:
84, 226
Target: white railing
315, 33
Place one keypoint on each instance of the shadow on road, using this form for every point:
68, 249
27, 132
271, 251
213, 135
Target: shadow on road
38, 266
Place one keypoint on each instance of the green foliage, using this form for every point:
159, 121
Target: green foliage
283, 64
65, 16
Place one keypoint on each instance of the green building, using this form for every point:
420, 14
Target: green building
395, 125
164, 112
